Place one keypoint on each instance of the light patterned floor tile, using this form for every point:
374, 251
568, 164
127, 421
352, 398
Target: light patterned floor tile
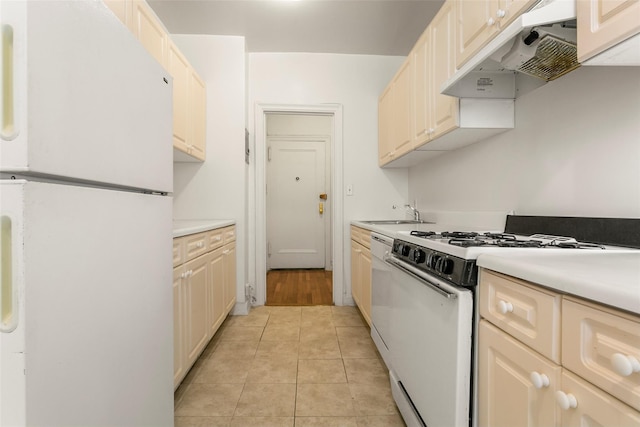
273, 370
202, 422
209, 400
323, 371
324, 400
319, 349
267, 400
373, 399
224, 371
262, 422
381, 421
366, 371
326, 422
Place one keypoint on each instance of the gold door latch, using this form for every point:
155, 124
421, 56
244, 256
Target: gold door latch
323, 196
321, 208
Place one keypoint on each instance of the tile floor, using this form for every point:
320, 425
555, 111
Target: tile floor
289, 367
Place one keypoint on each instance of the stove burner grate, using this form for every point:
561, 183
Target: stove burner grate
467, 243
423, 233
459, 234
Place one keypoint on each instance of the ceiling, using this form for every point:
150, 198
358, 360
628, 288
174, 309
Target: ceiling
371, 27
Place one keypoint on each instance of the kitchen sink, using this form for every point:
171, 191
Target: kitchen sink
396, 221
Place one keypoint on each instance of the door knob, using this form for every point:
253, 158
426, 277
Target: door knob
323, 196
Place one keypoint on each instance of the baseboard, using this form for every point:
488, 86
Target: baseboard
241, 309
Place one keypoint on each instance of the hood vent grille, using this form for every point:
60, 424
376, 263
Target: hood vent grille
554, 58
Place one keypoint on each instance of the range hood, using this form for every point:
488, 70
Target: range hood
539, 43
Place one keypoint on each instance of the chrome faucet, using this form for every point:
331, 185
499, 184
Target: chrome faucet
416, 212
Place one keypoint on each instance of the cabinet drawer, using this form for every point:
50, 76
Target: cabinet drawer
361, 236
594, 340
528, 314
594, 407
355, 234
215, 239
229, 234
195, 245
178, 251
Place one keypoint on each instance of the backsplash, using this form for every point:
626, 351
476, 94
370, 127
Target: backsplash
575, 151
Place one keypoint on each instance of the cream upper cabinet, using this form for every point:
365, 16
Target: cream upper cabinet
148, 29
395, 111
479, 21
385, 126
180, 70
433, 63
604, 23
402, 110
516, 384
476, 25
123, 9
197, 116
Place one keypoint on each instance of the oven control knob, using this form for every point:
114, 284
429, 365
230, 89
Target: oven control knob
418, 256
406, 249
434, 260
446, 266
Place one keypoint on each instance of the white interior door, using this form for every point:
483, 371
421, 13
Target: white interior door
296, 213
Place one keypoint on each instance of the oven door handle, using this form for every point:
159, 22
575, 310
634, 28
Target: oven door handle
393, 261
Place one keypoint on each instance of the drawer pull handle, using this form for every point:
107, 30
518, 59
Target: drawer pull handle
199, 245
624, 365
539, 380
566, 400
505, 307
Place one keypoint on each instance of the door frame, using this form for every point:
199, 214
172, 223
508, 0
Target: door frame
260, 207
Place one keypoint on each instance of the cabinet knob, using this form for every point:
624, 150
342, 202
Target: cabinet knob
566, 400
539, 380
624, 365
491, 22
505, 307
501, 13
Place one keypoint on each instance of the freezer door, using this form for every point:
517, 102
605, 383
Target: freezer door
95, 305
82, 99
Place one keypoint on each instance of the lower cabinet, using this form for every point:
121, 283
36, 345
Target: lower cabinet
204, 292
361, 270
548, 359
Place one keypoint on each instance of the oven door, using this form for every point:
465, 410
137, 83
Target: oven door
431, 347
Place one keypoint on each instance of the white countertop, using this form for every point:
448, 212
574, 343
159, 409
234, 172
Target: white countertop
607, 278
191, 226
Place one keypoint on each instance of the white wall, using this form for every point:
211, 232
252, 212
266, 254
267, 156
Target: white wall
354, 81
575, 151
216, 189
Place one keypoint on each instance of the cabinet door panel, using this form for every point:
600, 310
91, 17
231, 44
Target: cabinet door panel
385, 126
421, 93
356, 251
507, 396
215, 292
149, 31
229, 253
594, 407
179, 69
179, 356
476, 26
402, 110
604, 23
591, 339
196, 303
365, 285
197, 116
444, 108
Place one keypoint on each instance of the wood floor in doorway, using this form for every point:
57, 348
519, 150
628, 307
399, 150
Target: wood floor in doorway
299, 287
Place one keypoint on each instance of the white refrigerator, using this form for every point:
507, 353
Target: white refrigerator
86, 311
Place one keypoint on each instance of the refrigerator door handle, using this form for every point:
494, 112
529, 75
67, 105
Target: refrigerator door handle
8, 127
8, 287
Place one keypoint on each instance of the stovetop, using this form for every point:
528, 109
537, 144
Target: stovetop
469, 244
451, 255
